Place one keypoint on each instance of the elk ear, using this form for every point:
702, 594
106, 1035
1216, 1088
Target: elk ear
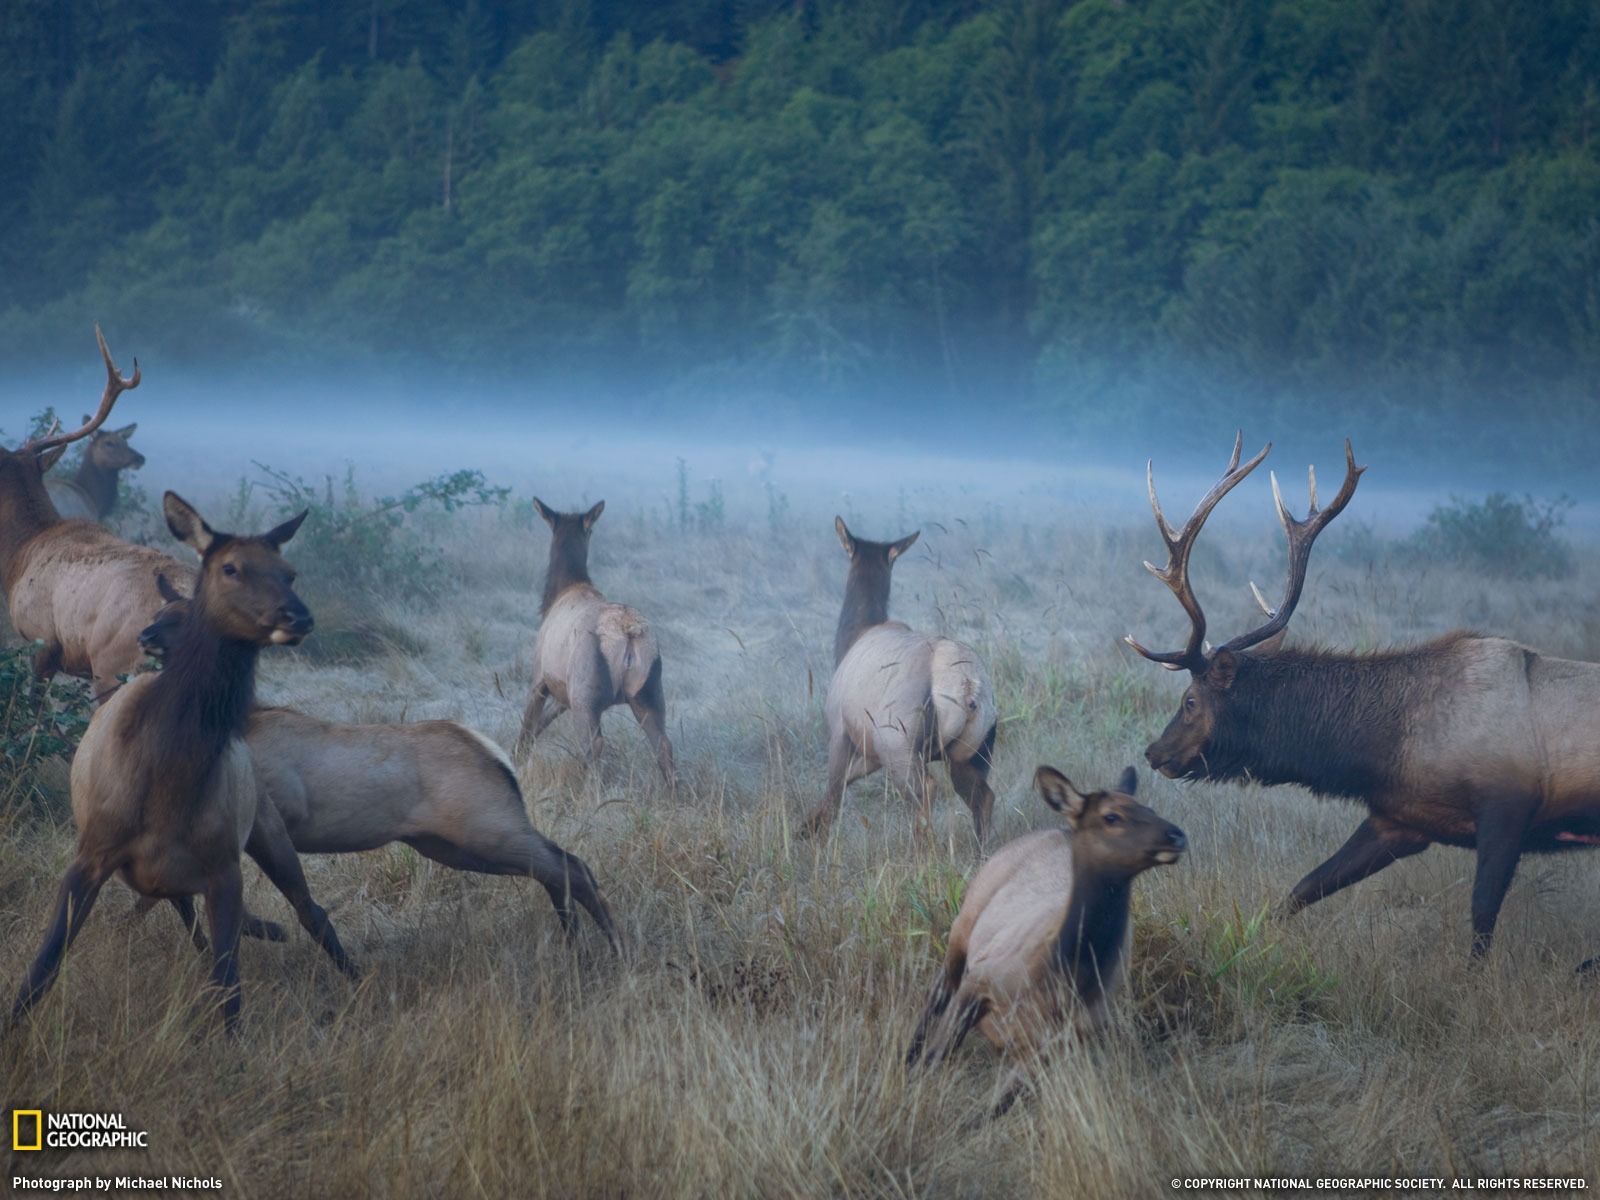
1222, 669
545, 511
593, 515
1128, 785
186, 524
1059, 793
845, 540
898, 548
168, 592
127, 432
282, 533
50, 457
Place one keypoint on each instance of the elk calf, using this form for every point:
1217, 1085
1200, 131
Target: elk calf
1042, 937
1466, 740
91, 494
163, 790
591, 654
901, 700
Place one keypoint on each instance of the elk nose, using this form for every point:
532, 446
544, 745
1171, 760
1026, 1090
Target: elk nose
296, 619
1176, 839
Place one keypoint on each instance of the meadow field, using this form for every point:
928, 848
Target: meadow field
751, 1042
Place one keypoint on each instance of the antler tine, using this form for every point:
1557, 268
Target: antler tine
1179, 544
116, 384
1301, 535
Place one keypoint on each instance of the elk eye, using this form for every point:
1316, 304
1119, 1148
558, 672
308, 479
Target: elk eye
1188, 702
229, 569
1112, 818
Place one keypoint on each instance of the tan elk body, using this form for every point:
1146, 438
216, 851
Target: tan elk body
1041, 941
900, 700
443, 789
163, 787
91, 493
1465, 740
73, 585
591, 654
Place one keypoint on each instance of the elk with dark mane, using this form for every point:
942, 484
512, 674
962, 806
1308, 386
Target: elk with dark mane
1041, 941
441, 788
901, 700
163, 788
74, 585
591, 654
91, 493
1465, 740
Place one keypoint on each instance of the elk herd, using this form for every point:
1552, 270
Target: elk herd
1466, 740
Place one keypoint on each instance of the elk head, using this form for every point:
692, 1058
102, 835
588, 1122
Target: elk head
1185, 748
109, 449
1121, 836
246, 591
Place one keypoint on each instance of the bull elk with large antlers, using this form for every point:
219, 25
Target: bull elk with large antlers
1466, 740
70, 584
901, 700
163, 788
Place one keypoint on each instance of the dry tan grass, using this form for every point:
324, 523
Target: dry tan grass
752, 1046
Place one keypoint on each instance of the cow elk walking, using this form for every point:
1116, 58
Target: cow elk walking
73, 585
163, 789
591, 654
439, 787
91, 494
1465, 740
901, 700
1041, 941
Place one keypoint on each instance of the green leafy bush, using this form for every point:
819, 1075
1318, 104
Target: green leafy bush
1513, 539
33, 734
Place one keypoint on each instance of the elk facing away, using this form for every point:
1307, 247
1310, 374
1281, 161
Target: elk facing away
441, 788
1042, 937
1466, 740
163, 790
591, 654
901, 699
91, 494
75, 586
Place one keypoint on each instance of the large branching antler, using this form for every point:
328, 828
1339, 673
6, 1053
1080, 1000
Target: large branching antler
1301, 535
1176, 573
116, 384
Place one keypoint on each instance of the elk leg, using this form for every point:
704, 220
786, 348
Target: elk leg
184, 906
275, 854
971, 782
650, 710
493, 849
536, 717
1499, 837
841, 759
1372, 847
79, 887
225, 912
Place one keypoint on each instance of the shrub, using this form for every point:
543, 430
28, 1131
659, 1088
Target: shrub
1514, 539
32, 734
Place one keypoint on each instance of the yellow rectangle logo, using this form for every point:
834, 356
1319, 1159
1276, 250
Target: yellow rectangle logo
18, 1123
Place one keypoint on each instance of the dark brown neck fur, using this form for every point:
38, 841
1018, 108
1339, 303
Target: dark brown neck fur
1332, 722
99, 484
569, 563
25, 510
1096, 926
866, 596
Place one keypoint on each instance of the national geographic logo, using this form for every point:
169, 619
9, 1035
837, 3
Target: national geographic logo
35, 1129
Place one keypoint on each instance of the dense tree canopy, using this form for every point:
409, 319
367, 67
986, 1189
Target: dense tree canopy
1280, 200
